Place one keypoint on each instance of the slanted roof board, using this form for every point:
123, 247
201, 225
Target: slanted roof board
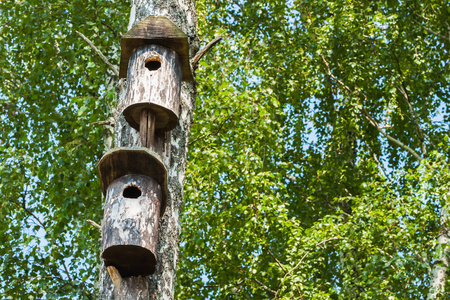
160, 31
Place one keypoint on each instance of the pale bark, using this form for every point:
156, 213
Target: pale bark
161, 284
439, 272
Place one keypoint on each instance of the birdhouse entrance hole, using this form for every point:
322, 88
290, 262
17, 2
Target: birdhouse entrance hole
132, 192
153, 63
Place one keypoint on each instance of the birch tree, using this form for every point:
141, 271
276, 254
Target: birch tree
318, 149
160, 285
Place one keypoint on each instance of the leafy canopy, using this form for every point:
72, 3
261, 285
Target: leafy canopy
318, 160
52, 92
319, 153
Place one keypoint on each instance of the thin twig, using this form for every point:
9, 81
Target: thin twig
432, 31
94, 224
107, 122
301, 260
306, 254
203, 51
45, 229
276, 260
211, 133
422, 135
390, 138
110, 28
372, 120
24, 207
29, 212
404, 92
332, 76
380, 165
264, 286
99, 53
66, 269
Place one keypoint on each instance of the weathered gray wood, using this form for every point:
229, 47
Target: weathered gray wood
153, 87
161, 284
147, 129
155, 30
134, 288
130, 225
123, 161
130, 288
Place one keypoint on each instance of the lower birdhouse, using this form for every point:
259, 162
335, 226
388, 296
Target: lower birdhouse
121, 161
130, 225
134, 182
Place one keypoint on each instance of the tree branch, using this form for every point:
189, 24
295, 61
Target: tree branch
372, 120
432, 31
306, 254
108, 122
211, 133
380, 165
299, 263
276, 260
267, 289
24, 207
404, 92
203, 51
94, 224
99, 53
29, 212
390, 138
333, 77
110, 28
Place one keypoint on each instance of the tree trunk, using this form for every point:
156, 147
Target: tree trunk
161, 284
441, 264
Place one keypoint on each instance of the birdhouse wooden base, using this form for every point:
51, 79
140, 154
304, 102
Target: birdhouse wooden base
130, 225
122, 161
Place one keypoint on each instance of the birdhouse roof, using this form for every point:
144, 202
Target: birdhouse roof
121, 161
157, 30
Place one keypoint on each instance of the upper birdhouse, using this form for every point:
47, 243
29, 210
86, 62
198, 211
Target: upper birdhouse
154, 59
156, 30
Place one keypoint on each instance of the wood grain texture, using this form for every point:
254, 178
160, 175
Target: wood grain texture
115, 277
155, 30
147, 128
130, 225
158, 90
133, 288
161, 285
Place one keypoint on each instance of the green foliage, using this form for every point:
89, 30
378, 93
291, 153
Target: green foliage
292, 191
318, 160
52, 91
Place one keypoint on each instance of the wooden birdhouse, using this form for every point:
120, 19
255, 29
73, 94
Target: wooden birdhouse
130, 227
134, 182
154, 59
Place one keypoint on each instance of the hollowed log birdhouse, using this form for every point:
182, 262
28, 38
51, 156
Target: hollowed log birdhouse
134, 182
154, 59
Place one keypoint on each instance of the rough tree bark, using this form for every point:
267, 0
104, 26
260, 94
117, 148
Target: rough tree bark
439, 272
161, 284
